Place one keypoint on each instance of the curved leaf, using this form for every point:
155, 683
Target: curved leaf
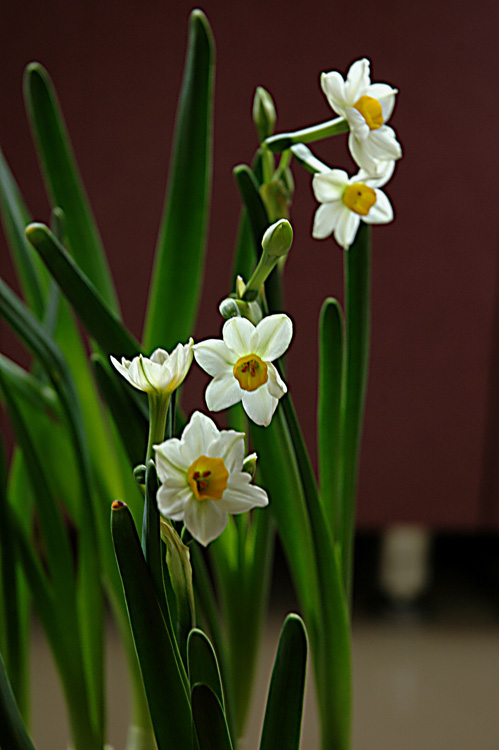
178, 267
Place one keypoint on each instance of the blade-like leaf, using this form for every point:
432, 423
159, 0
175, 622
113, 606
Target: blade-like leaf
250, 195
357, 275
178, 266
283, 714
94, 313
30, 388
209, 718
328, 407
63, 180
203, 665
13, 733
163, 675
32, 276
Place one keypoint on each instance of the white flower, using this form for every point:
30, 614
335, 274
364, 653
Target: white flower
241, 365
160, 374
367, 107
348, 201
202, 478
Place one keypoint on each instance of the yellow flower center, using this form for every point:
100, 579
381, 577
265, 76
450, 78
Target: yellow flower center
250, 372
359, 198
371, 111
208, 478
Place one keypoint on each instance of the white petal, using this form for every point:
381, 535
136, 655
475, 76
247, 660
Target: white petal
329, 186
204, 520
259, 405
384, 172
123, 368
383, 144
381, 212
179, 363
275, 384
358, 125
214, 357
333, 86
325, 219
241, 496
229, 446
239, 335
197, 436
274, 336
222, 392
385, 94
346, 228
170, 461
357, 82
360, 153
171, 503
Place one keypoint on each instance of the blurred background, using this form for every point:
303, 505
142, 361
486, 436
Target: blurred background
427, 608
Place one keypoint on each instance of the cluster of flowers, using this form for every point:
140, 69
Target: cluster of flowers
202, 474
346, 201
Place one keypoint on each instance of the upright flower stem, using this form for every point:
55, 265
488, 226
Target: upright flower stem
158, 409
357, 279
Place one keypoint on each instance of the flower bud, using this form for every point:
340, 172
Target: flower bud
249, 464
139, 474
229, 308
264, 114
278, 239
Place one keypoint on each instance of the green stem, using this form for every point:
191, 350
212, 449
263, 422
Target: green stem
357, 277
283, 141
158, 410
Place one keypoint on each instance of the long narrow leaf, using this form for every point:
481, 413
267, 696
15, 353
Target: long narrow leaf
250, 195
178, 266
99, 320
161, 671
328, 407
358, 326
63, 180
283, 714
203, 665
32, 276
211, 725
13, 733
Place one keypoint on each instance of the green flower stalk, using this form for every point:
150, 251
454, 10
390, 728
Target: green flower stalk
276, 243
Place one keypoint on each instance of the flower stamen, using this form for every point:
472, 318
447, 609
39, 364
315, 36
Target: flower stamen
359, 198
371, 111
207, 478
250, 372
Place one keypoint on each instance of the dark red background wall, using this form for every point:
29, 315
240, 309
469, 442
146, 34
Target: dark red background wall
429, 451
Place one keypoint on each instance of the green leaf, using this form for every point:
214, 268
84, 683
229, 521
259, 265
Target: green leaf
357, 275
249, 191
283, 714
63, 180
32, 276
328, 407
203, 665
209, 718
13, 733
162, 673
30, 388
178, 267
95, 314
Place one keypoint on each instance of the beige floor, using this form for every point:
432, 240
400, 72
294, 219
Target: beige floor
417, 687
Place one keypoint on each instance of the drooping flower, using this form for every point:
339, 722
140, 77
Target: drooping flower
367, 107
241, 365
202, 478
161, 373
348, 201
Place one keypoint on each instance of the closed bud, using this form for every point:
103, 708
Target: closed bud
249, 464
264, 114
278, 239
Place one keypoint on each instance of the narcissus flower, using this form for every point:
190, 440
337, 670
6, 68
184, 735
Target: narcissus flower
348, 201
202, 478
161, 373
367, 107
241, 365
